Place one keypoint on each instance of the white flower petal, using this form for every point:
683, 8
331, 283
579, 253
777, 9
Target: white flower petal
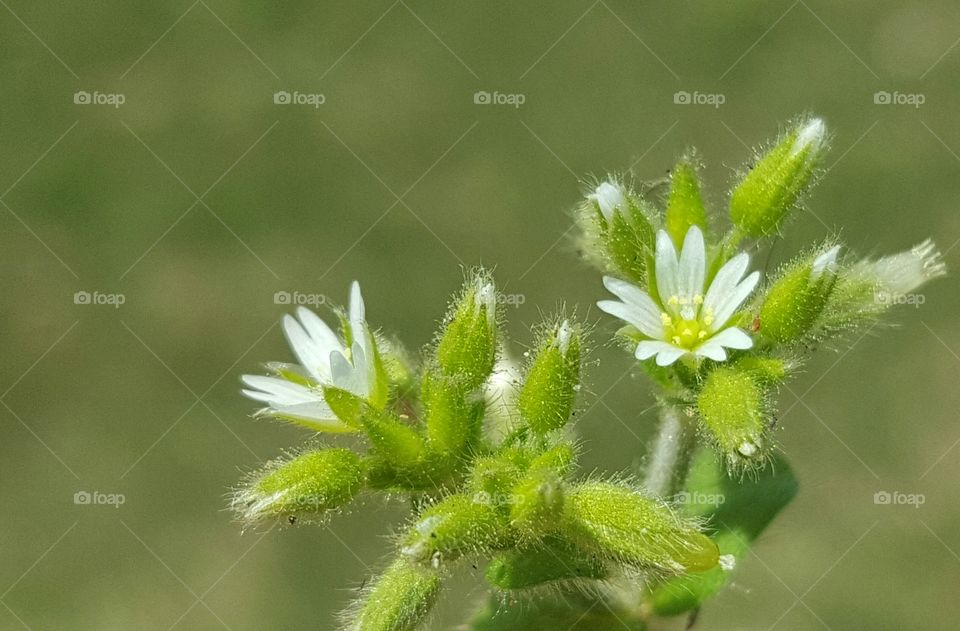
646, 322
276, 392
309, 353
348, 376
711, 350
730, 302
732, 338
668, 356
666, 353
666, 267
826, 262
725, 281
322, 335
692, 265
357, 308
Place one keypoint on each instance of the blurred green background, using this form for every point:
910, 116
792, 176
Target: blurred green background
199, 197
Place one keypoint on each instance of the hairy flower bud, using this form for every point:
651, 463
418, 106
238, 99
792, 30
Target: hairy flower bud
685, 205
550, 387
759, 204
795, 301
468, 344
453, 527
536, 504
309, 484
620, 229
733, 410
399, 600
620, 524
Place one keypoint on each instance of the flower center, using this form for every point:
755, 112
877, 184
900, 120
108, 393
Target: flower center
686, 323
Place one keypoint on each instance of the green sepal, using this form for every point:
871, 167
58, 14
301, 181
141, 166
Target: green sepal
308, 484
550, 386
467, 348
733, 409
628, 239
620, 524
348, 407
685, 205
397, 442
452, 421
399, 600
763, 199
457, 525
536, 505
551, 559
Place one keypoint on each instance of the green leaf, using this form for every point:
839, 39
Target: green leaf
738, 511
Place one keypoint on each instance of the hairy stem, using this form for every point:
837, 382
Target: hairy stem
671, 453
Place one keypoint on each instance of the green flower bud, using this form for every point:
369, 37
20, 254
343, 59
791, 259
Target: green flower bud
456, 526
552, 559
795, 301
620, 524
619, 224
560, 458
452, 421
537, 504
495, 476
398, 443
399, 600
684, 206
552, 381
759, 204
468, 345
732, 407
309, 484
768, 371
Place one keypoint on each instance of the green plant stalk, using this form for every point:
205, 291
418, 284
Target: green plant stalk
671, 453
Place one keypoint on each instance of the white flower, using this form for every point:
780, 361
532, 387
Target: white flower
685, 318
296, 394
901, 273
609, 197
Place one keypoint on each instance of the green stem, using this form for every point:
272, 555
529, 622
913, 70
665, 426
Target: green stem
670, 456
